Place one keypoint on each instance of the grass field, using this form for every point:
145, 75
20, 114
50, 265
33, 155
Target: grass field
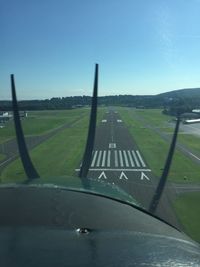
2, 157
155, 148
40, 122
155, 118
188, 211
191, 141
58, 156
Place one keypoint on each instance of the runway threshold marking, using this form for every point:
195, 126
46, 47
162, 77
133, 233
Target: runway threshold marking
94, 158
99, 158
135, 158
118, 170
141, 160
130, 158
108, 159
104, 159
125, 158
120, 159
117, 158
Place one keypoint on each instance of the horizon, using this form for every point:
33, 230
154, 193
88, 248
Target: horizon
144, 48
99, 95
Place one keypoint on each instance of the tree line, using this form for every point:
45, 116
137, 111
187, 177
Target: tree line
170, 105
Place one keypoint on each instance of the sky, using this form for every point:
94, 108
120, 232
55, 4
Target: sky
141, 46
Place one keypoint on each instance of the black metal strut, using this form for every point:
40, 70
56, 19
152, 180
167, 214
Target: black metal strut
91, 132
159, 190
26, 160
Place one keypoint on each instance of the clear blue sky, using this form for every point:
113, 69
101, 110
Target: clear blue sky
142, 46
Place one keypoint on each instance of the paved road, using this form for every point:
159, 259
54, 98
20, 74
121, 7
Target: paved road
191, 128
117, 159
184, 188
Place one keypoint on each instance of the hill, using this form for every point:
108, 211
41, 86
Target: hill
187, 98
183, 93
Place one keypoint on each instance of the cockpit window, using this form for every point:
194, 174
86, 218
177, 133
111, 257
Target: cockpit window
107, 101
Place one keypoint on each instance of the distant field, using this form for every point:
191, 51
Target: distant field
188, 211
155, 148
59, 155
40, 122
154, 117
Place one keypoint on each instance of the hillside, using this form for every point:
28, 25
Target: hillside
185, 93
187, 98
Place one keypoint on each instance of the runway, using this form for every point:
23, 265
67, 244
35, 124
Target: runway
118, 160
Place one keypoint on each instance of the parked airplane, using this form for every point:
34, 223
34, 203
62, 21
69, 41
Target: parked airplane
191, 121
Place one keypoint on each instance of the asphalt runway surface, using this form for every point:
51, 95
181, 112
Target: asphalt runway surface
193, 128
117, 159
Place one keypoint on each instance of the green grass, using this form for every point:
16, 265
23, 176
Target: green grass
155, 149
2, 157
190, 141
154, 117
188, 211
40, 122
7, 132
58, 156
55, 157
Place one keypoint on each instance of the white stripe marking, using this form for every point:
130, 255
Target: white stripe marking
123, 175
120, 159
118, 170
102, 175
130, 158
7, 160
194, 156
140, 158
143, 175
112, 145
116, 159
94, 158
104, 159
135, 158
99, 158
126, 159
108, 159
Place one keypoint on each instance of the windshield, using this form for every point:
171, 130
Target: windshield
148, 100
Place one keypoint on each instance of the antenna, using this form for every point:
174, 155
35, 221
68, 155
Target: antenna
26, 161
91, 132
163, 179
